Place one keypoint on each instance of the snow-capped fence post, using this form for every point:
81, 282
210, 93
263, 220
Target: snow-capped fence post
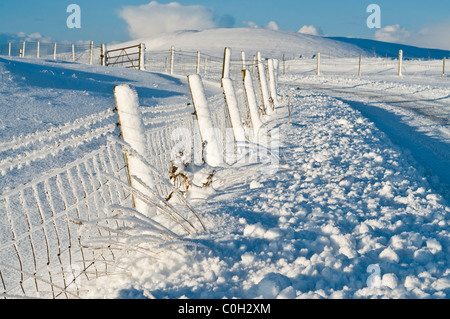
9, 49
272, 82
54, 51
443, 67
233, 110
91, 51
243, 60
226, 63
132, 131
213, 156
318, 63
37, 50
400, 60
172, 57
263, 84
73, 52
23, 49
251, 102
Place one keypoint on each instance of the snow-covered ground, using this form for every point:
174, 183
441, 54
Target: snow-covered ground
358, 206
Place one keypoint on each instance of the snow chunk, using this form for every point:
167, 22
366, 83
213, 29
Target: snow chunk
389, 254
255, 184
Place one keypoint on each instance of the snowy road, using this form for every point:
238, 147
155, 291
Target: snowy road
415, 117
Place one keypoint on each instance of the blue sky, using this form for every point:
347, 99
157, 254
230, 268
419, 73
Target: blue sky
101, 20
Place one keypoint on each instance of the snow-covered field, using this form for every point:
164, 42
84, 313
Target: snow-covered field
358, 206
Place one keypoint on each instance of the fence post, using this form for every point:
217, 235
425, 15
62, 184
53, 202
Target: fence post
205, 124
243, 60
197, 68
103, 55
172, 56
318, 63
132, 132
23, 49
251, 102
37, 50
226, 63
141, 56
233, 110
73, 52
54, 51
91, 51
359, 65
206, 62
443, 67
400, 60
9, 49
263, 84
272, 82
284, 64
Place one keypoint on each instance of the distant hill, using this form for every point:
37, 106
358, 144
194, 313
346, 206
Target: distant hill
386, 49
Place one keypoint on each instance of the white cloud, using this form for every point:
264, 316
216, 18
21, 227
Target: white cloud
435, 36
393, 33
272, 25
310, 29
155, 18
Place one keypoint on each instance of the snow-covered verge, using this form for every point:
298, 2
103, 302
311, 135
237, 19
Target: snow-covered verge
349, 215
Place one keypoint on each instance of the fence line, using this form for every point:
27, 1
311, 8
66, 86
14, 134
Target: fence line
72, 223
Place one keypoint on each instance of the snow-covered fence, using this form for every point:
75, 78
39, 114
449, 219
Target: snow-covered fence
86, 53
365, 66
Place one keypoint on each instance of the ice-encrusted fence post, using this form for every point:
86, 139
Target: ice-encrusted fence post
443, 67
73, 52
213, 156
9, 48
132, 130
23, 49
400, 61
197, 67
359, 65
226, 63
251, 102
172, 57
37, 49
272, 82
233, 110
263, 84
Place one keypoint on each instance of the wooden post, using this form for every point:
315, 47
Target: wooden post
23, 49
197, 68
91, 51
9, 49
284, 64
243, 60
400, 60
206, 63
73, 52
318, 63
37, 50
443, 68
359, 65
252, 103
172, 56
263, 85
54, 51
103, 55
141, 56
226, 63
